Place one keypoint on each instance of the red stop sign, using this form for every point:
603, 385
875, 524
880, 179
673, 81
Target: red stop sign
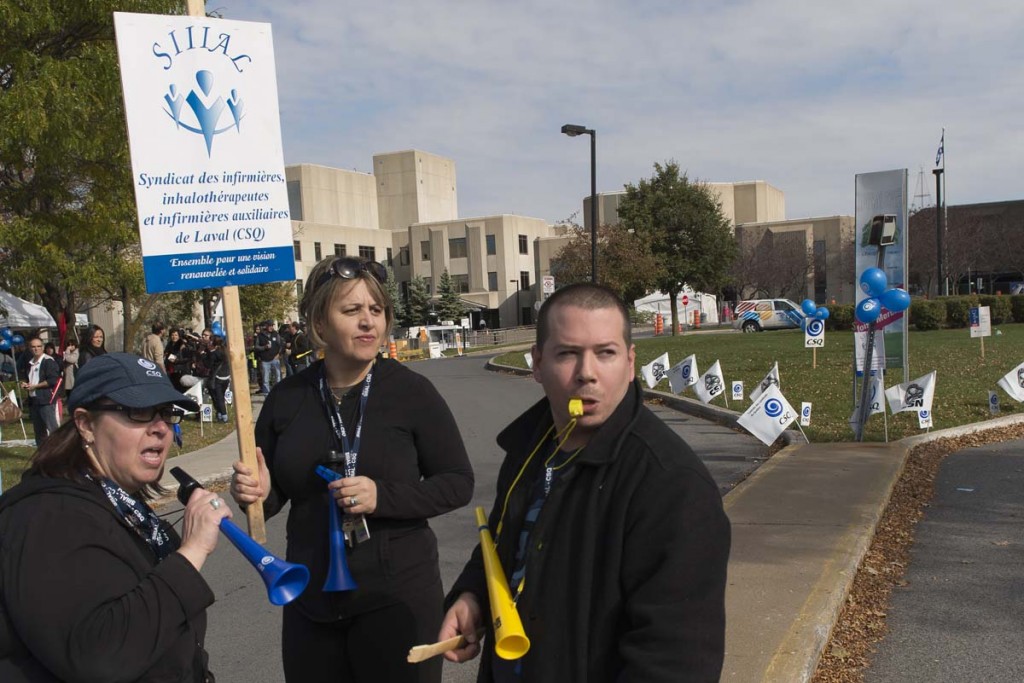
686, 299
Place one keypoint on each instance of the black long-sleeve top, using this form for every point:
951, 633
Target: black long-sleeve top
412, 450
82, 597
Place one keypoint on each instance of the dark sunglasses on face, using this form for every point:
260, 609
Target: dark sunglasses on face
168, 414
348, 268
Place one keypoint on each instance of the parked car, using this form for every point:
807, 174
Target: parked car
755, 315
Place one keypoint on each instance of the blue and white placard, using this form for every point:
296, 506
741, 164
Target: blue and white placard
207, 163
814, 334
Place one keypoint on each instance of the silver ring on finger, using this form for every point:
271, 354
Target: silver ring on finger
215, 503
353, 501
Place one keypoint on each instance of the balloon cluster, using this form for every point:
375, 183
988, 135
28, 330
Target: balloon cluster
8, 339
875, 284
812, 311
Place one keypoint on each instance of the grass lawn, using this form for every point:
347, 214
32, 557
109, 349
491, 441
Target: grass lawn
14, 460
962, 382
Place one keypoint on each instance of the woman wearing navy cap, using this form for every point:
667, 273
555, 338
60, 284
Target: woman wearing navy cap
93, 585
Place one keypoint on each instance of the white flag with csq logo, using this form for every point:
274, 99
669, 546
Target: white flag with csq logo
768, 416
683, 374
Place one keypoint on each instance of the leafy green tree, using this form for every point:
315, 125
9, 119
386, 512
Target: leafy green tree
417, 305
391, 287
67, 213
683, 224
624, 262
269, 301
449, 307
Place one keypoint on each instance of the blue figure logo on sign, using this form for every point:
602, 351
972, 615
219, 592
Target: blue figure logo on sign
815, 328
993, 399
807, 411
773, 407
686, 371
207, 116
924, 414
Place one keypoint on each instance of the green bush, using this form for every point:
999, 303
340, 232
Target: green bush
927, 315
840, 317
641, 317
1017, 307
958, 310
998, 307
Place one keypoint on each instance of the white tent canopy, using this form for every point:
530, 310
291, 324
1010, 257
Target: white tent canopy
658, 302
22, 314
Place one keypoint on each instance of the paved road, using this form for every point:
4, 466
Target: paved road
961, 615
244, 638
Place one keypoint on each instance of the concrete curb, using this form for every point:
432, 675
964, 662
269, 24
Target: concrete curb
832, 590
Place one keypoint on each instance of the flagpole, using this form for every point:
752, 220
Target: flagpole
945, 213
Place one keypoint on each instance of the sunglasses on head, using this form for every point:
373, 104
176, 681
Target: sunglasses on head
348, 268
169, 414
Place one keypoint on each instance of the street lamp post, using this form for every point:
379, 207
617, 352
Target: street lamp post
518, 309
572, 130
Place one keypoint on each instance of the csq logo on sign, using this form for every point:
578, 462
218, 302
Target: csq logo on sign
815, 328
773, 407
807, 411
686, 371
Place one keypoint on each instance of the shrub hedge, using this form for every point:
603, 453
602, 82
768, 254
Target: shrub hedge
998, 307
927, 315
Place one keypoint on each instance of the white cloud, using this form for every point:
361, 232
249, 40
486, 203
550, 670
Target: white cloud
803, 95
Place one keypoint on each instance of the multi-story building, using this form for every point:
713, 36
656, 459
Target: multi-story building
405, 214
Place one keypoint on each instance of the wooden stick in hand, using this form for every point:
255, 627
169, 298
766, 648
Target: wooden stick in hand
421, 653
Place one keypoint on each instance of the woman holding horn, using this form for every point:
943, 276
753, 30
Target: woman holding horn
403, 462
93, 585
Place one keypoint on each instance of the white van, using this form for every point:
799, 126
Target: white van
755, 315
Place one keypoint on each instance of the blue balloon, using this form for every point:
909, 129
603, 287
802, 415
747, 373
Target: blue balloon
17, 339
821, 313
873, 282
217, 328
896, 300
808, 307
5, 344
6, 333
868, 309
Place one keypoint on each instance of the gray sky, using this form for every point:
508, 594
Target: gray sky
799, 93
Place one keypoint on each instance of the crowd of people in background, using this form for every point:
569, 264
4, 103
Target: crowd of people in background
188, 358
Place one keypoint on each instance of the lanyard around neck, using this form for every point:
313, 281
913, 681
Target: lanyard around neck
338, 425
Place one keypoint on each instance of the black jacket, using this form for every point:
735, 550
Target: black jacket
82, 597
410, 447
268, 346
626, 568
49, 372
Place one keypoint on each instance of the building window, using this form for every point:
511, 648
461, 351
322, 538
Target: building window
457, 247
524, 279
297, 248
298, 290
294, 200
429, 282
461, 283
317, 252
403, 256
492, 281
368, 253
390, 256
524, 245
492, 246
425, 250
339, 250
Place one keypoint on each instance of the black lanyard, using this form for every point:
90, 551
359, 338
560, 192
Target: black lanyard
351, 452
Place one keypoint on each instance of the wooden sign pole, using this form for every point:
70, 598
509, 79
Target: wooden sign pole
239, 372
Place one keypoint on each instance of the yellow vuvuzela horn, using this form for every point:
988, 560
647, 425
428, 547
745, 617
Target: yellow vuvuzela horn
510, 641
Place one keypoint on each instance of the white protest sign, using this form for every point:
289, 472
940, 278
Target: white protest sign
768, 416
207, 163
737, 390
814, 334
981, 322
805, 414
924, 419
655, 371
993, 402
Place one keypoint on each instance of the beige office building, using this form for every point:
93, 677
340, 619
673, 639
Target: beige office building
405, 214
